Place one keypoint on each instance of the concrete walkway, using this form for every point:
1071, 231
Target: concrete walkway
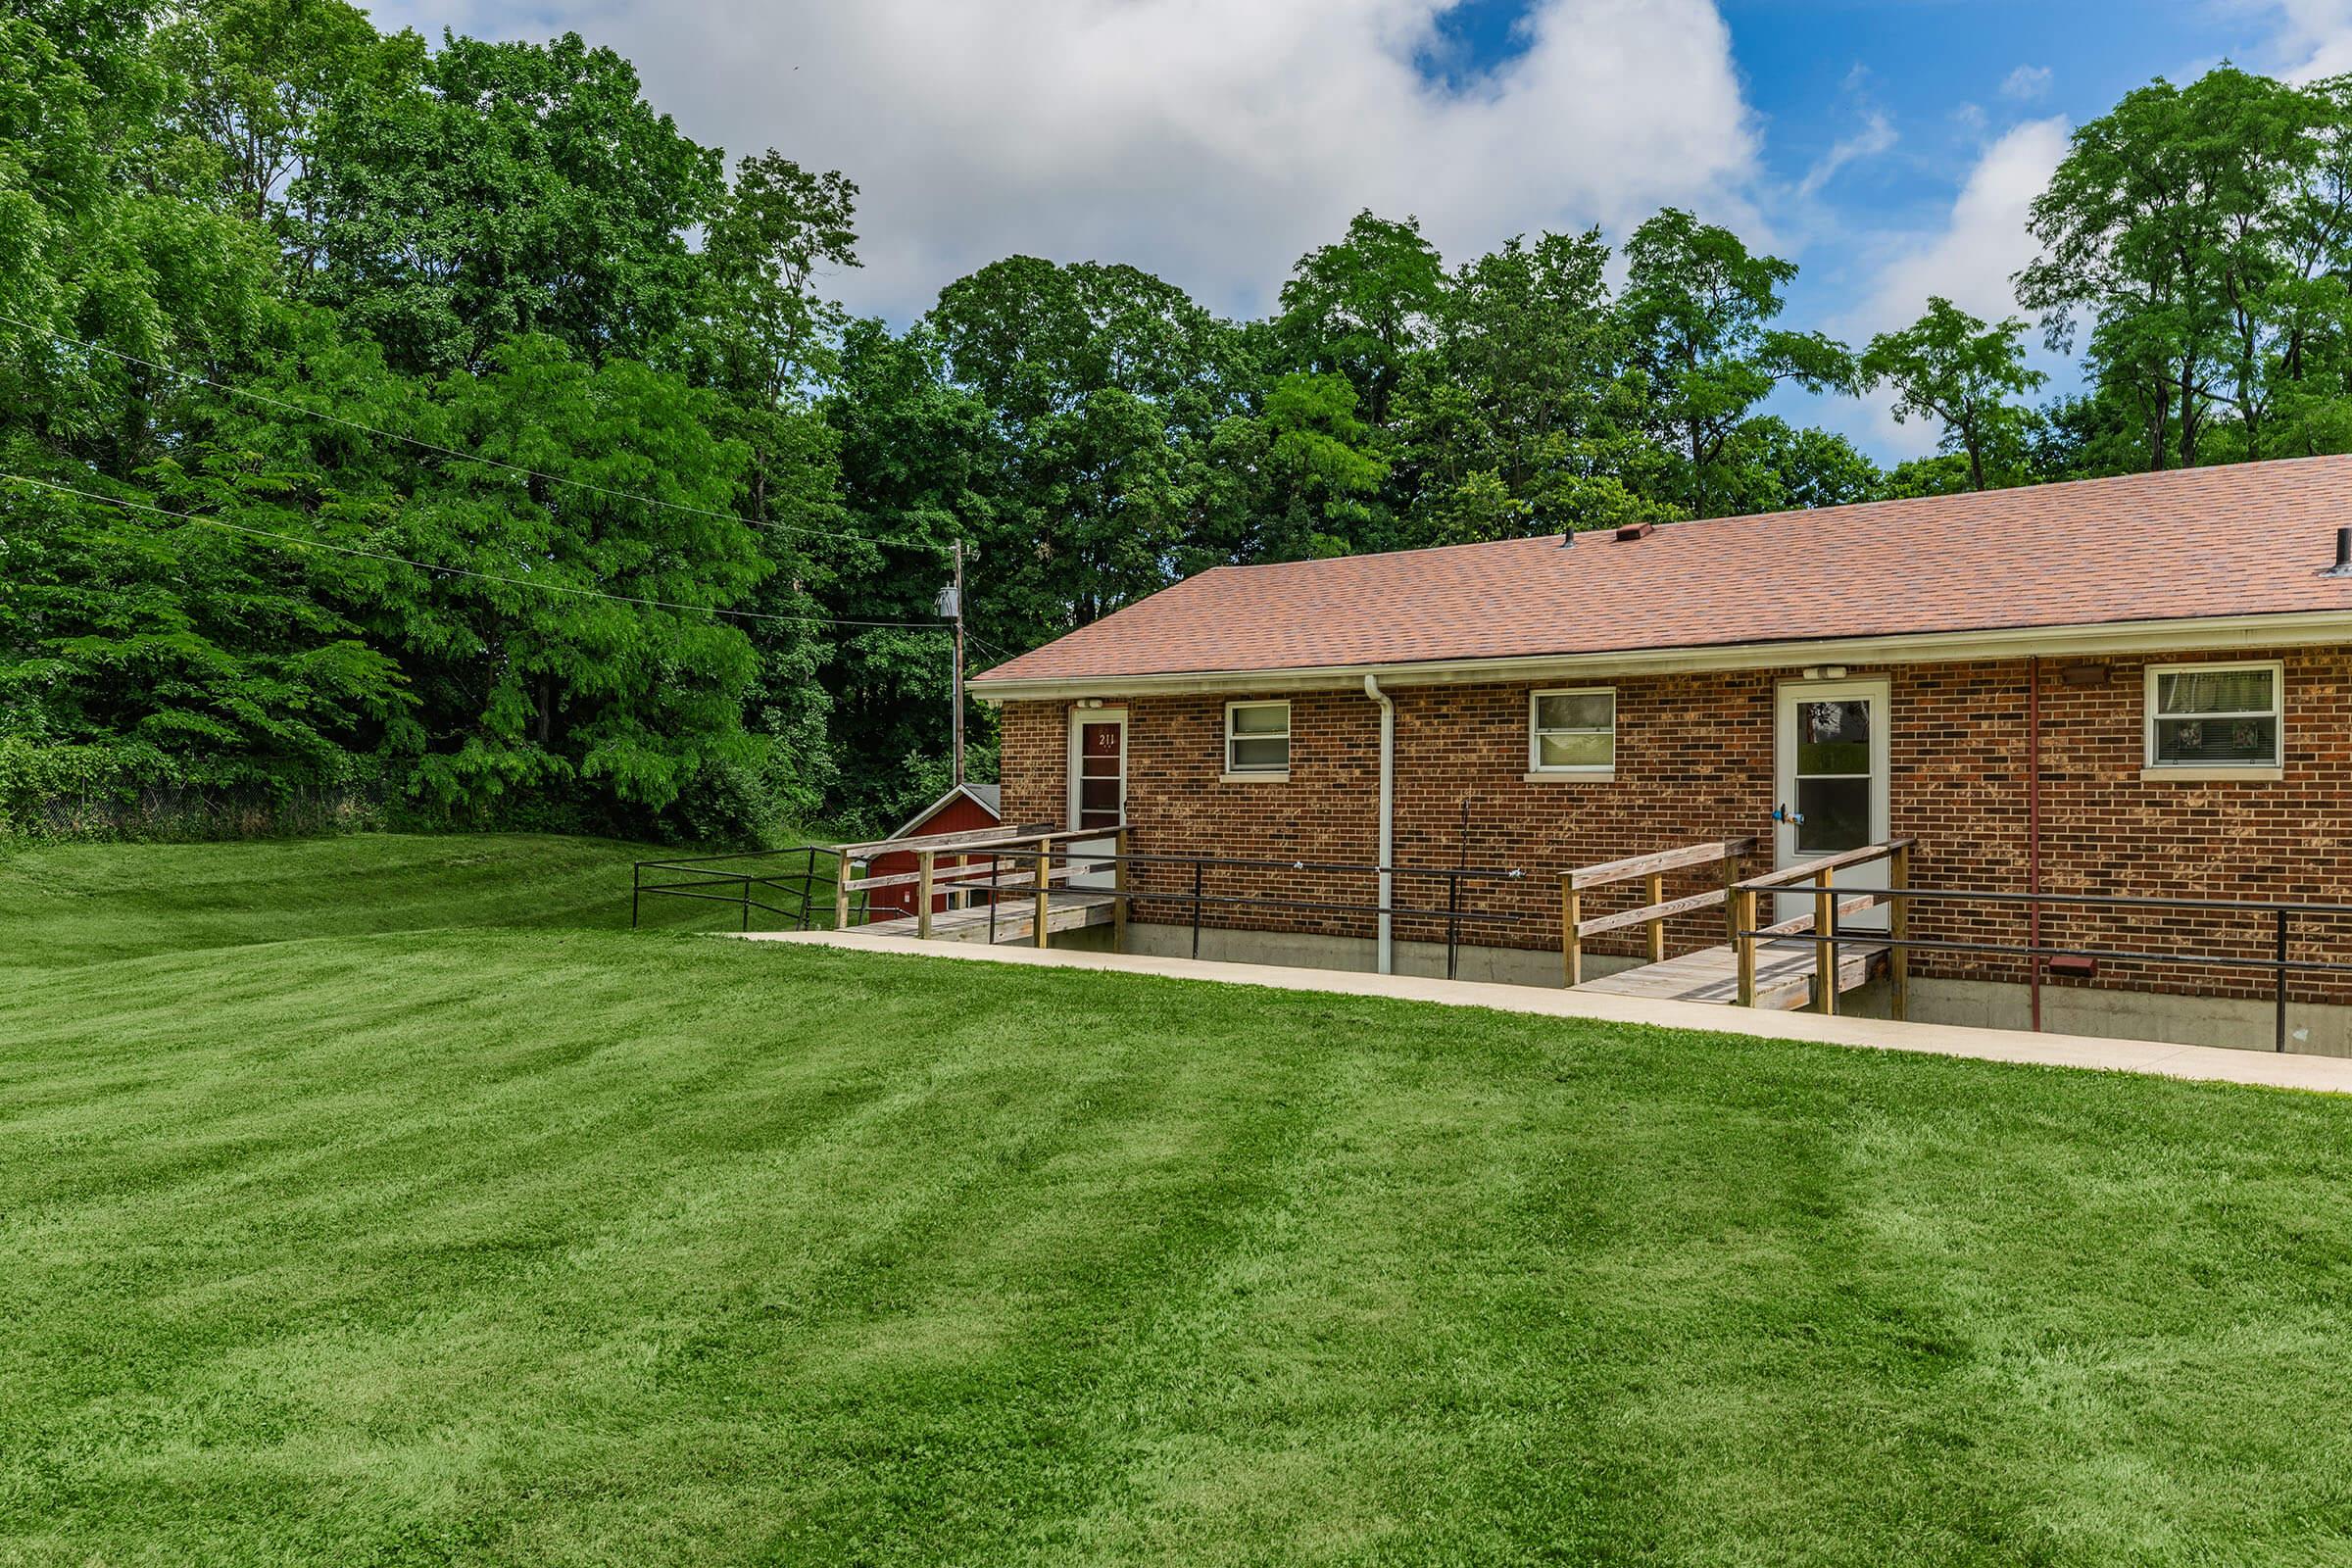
2208, 1062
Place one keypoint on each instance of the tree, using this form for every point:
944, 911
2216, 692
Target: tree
1364, 306
253, 79
537, 676
1696, 312
1952, 367
2163, 224
1291, 481
919, 455
1778, 466
1104, 386
499, 189
1521, 406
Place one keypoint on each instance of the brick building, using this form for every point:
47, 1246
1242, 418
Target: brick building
2138, 686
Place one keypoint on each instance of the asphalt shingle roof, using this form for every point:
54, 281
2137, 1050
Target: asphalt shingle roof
2235, 540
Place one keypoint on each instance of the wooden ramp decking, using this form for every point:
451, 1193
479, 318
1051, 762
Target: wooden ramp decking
1069, 908
1783, 974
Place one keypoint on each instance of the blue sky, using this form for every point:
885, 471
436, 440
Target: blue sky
1890, 147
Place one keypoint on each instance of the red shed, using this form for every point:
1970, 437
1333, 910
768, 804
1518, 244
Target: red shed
960, 811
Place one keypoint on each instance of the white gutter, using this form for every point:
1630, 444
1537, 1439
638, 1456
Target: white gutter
2270, 630
1388, 810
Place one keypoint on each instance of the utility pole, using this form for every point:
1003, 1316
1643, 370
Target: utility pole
957, 682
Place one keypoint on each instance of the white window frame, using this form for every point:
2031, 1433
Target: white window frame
1237, 774
2152, 768
1535, 736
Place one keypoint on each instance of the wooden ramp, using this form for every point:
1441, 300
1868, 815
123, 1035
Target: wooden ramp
1017, 918
1783, 974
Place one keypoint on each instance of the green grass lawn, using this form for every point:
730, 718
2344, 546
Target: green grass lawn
327, 1237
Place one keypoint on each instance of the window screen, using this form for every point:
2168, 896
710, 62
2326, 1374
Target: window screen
1257, 737
1572, 732
2217, 718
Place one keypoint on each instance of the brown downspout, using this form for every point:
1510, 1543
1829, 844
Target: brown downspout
2033, 830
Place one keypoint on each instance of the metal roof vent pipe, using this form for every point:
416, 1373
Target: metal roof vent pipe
2343, 555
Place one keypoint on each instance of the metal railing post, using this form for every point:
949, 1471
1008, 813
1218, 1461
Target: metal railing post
1825, 949
1454, 922
1898, 927
636, 891
747, 900
1118, 891
2282, 1030
1198, 865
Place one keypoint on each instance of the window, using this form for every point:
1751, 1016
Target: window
1572, 732
1257, 738
2214, 716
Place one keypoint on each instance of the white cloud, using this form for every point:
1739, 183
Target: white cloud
1983, 243
1875, 136
2310, 39
1212, 141
2026, 83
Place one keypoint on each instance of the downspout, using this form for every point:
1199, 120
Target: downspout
1388, 810
2033, 830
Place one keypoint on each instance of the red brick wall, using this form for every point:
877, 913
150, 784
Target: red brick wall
1694, 762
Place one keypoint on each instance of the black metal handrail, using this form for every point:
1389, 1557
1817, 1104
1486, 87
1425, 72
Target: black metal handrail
800, 887
1197, 899
2281, 964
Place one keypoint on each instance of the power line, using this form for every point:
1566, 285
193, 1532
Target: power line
453, 452
463, 571
995, 654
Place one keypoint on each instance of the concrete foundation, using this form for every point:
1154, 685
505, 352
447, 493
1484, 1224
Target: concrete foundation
1508, 967
2312, 1029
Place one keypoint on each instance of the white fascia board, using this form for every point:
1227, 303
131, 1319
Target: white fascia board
2295, 629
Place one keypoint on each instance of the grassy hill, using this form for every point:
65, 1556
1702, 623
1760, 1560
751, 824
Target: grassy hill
329, 1238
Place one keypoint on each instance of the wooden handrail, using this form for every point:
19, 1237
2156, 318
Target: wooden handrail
1037, 841
945, 876
939, 841
1653, 914
1624, 870
1804, 922
1811, 869
1657, 912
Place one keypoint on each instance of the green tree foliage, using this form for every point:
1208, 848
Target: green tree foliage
1778, 466
2202, 231
1104, 386
1954, 369
1699, 308
1365, 307
1524, 418
505, 188
252, 79
920, 457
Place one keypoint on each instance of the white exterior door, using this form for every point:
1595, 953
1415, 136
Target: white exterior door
1098, 787
1830, 790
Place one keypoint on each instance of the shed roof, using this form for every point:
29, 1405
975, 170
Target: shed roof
2244, 539
989, 798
